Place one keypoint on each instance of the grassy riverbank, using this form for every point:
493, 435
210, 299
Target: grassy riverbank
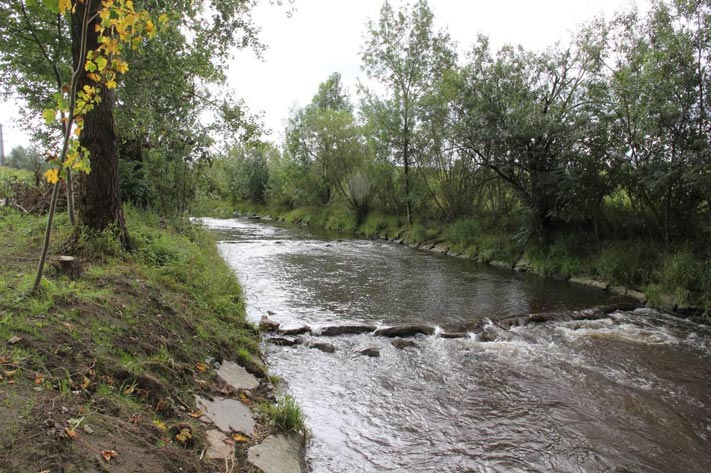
669, 277
109, 355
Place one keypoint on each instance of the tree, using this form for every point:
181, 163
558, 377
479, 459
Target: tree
407, 56
659, 97
530, 118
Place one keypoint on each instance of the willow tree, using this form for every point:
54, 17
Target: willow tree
407, 56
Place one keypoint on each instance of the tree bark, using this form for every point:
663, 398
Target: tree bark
99, 196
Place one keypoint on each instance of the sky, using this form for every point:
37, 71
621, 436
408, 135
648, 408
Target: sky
326, 36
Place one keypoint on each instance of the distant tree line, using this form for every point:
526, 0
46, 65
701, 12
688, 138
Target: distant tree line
607, 134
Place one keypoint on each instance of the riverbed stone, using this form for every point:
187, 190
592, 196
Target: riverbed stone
351, 329
227, 414
277, 454
405, 331
500, 264
453, 334
522, 265
217, 448
590, 282
640, 297
372, 352
401, 343
323, 346
283, 341
268, 325
294, 330
236, 376
440, 249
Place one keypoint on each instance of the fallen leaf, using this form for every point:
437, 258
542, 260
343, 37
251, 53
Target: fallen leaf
85, 383
9, 373
201, 367
160, 425
184, 435
67, 325
13, 340
243, 397
134, 419
71, 433
109, 454
39, 379
129, 390
197, 414
239, 438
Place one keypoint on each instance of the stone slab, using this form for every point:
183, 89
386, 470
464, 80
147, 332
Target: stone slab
277, 454
216, 446
236, 376
228, 415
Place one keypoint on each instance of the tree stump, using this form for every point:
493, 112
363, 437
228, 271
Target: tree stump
66, 265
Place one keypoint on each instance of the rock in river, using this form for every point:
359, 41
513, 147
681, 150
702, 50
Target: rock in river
408, 330
268, 325
323, 346
372, 352
353, 329
403, 343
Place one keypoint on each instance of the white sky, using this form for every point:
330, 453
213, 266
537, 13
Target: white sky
325, 36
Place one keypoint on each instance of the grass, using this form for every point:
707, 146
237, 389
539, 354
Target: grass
120, 342
285, 414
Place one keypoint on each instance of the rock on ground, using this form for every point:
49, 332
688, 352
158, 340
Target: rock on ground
228, 414
277, 454
236, 376
216, 446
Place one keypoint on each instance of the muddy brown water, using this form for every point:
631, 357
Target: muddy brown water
628, 393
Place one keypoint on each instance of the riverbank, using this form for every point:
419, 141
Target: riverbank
104, 368
672, 279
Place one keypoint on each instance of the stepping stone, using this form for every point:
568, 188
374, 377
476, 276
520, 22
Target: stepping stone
236, 376
277, 454
227, 415
216, 446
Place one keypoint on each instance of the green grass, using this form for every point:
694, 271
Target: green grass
285, 414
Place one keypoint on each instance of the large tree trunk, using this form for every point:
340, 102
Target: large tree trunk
99, 197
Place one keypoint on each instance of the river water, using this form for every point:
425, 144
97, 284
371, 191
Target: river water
627, 393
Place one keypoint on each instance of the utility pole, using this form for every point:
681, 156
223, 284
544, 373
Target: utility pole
2, 148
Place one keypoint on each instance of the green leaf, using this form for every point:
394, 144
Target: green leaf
32, 3
51, 5
49, 115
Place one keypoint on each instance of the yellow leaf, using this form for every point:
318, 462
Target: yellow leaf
184, 435
71, 433
52, 175
201, 367
239, 438
94, 77
111, 84
65, 5
77, 131
163, 19
85, 383
120, 66
149, 27
160, 425
197, 414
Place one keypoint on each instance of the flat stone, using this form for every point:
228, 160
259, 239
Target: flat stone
354, 329
589, 282
236, 376
408, 330
216, 446
453, 335
522, 265
227, 414
640, 297
277, 454
294, 330
283, 341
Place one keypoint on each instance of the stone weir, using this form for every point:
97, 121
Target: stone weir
482, 330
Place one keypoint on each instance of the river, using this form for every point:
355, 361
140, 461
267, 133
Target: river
627, 393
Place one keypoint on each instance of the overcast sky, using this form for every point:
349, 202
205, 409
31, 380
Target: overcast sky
325, 36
